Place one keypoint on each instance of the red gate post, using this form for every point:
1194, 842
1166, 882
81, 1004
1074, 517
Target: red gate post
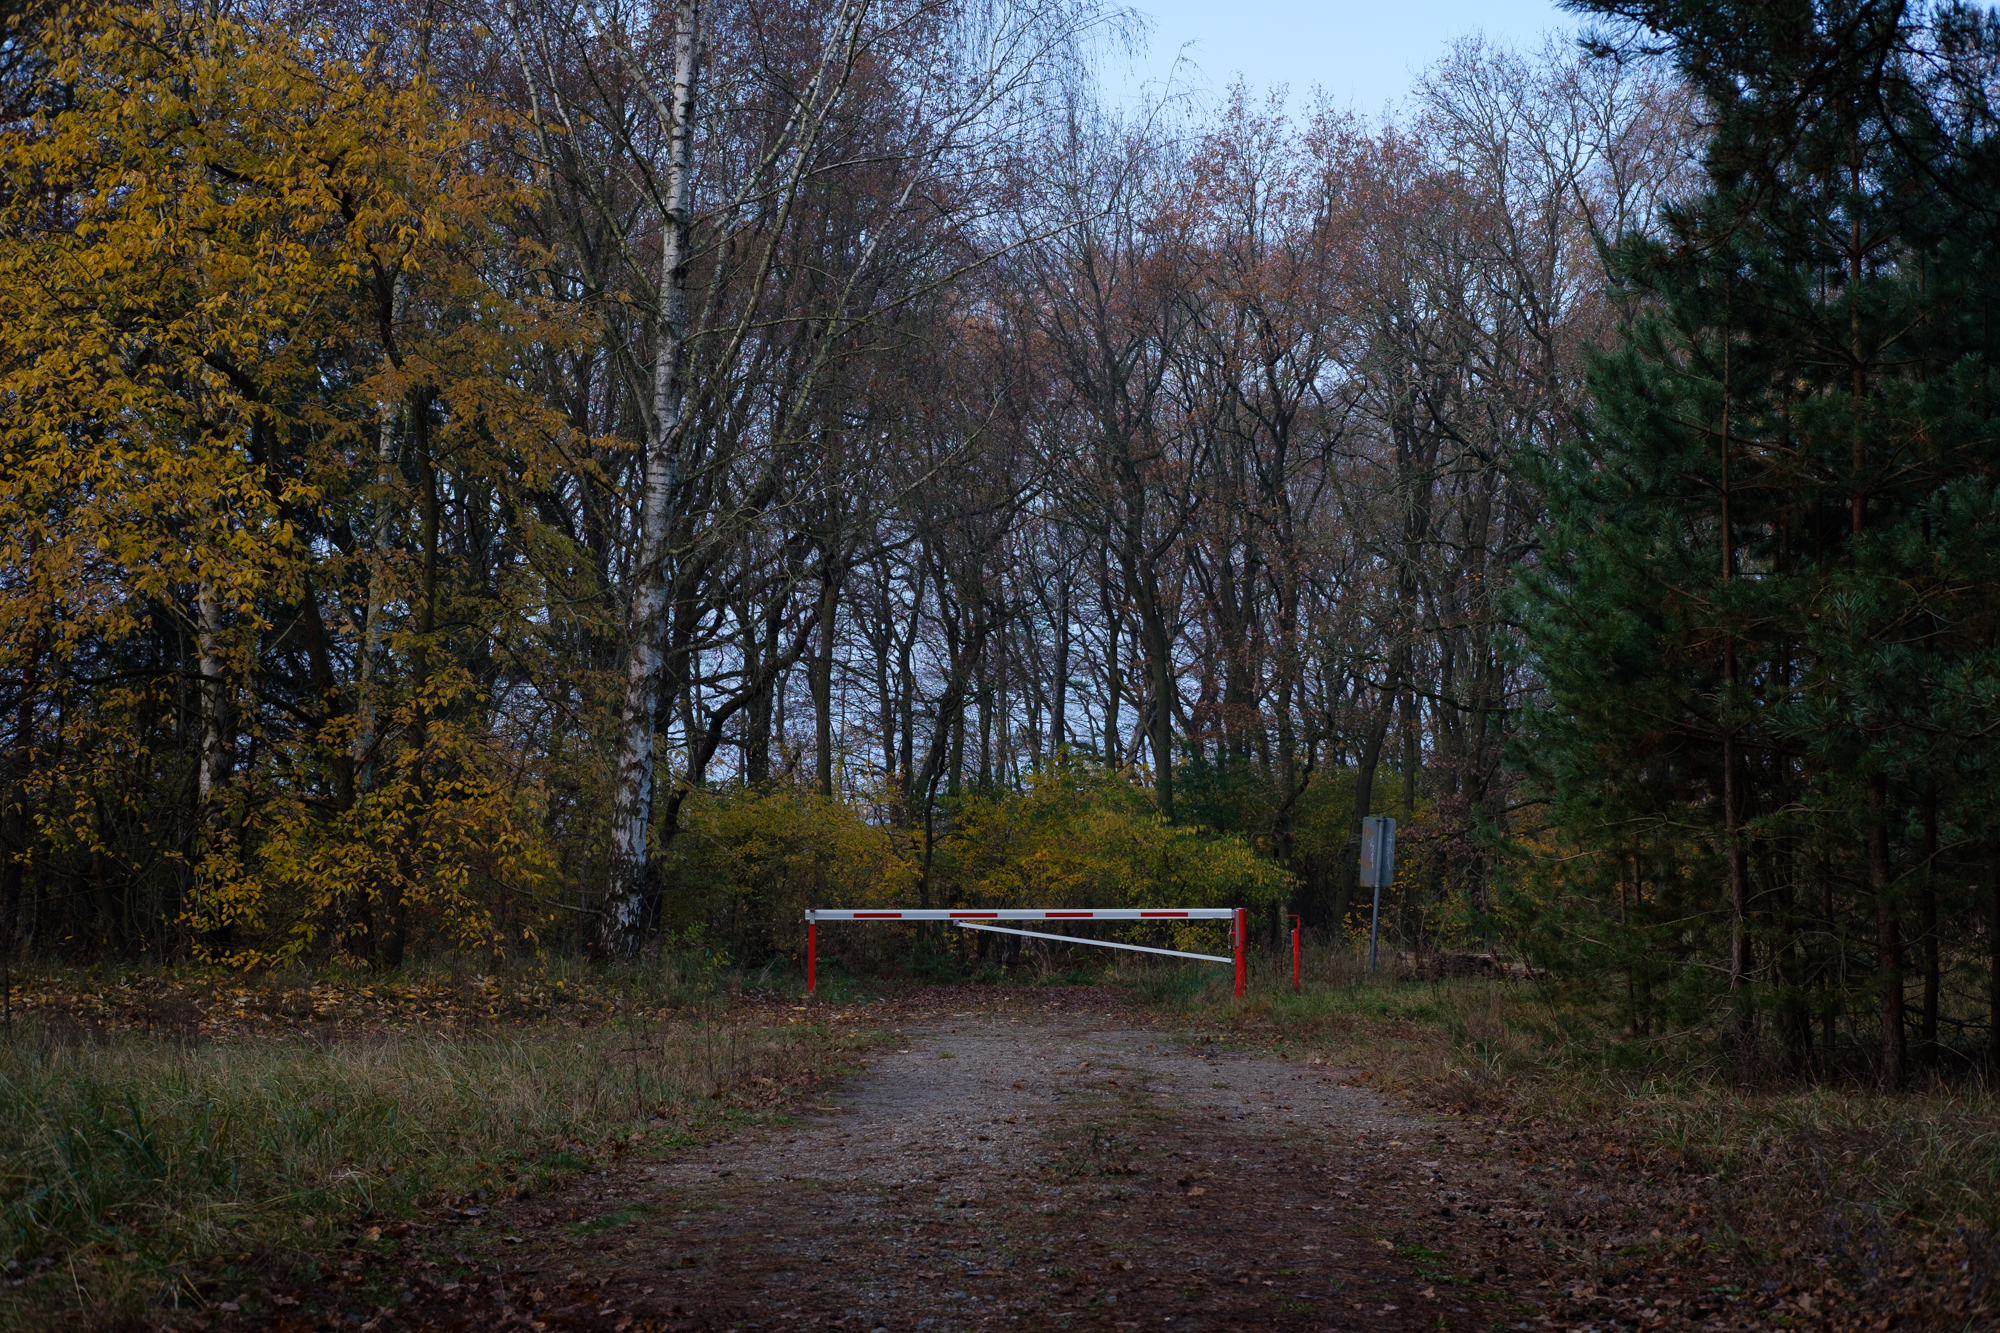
812, 952
1295, 952
1242, 919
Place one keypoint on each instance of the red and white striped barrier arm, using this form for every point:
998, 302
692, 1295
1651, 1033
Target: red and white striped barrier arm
978, 918
1021, 914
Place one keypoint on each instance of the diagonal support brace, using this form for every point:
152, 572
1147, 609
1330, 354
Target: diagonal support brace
1102, 944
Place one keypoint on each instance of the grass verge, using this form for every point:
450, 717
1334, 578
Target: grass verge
1830, 1177
143, 1172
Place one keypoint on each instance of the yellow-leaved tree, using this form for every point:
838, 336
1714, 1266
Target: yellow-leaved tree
246, 324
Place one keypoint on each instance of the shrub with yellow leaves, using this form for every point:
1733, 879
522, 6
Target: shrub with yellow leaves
1085, 835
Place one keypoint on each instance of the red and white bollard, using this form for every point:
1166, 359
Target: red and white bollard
812, 952
1295, 952
1242, 920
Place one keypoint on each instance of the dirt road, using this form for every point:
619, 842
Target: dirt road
1018, 1166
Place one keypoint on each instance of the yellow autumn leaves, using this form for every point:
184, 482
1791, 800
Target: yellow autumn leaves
229, 252
316, 642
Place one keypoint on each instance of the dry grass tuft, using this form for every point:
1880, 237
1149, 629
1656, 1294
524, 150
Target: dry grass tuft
148, 1168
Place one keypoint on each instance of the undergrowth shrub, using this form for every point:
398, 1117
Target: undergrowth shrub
1083, 835
746, 865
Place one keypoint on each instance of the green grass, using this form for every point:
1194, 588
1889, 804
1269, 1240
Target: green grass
136, 1168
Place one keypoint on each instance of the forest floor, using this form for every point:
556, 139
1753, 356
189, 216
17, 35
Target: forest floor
1067, 1158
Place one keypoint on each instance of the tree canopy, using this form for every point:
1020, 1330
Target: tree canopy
601, 475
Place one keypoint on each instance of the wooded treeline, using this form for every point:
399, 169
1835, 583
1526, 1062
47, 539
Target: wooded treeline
584, 472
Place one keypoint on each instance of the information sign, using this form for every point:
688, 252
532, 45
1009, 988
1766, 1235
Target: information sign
1378, 870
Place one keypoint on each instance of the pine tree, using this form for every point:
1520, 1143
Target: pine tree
1755, 612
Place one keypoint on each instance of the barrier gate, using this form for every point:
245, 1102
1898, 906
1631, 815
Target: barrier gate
970, 918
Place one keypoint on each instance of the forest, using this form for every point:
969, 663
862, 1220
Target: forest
602, 476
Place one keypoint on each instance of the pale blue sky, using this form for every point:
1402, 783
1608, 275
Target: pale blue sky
1363, 52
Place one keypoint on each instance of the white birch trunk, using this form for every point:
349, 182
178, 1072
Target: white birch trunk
212, 768
632, 814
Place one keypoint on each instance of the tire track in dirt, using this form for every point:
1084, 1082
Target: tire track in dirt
1020, 1169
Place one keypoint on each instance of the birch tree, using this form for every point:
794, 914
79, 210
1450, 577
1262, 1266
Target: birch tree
963, 78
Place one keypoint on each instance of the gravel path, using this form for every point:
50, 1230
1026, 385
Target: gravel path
1015, 1168
1055, 1159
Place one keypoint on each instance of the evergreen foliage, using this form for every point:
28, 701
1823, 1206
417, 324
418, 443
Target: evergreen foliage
1764, 614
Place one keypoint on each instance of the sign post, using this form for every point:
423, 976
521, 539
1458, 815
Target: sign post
1378, 870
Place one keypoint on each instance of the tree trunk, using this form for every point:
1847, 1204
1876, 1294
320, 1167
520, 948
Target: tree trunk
1114, 685
687, 687
822, 678
883, 639
983, 702
1284, 847
1993, 972
955, 773
906, 690
633, 807
1143, 583
395, 914
1741, 1019
1413, 752
15, 828
1836, 1004
1928, 905
368, 662
14, 848
1740, 1013
947, 739
1059, 705
212, 767
1888, 938
758, 651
